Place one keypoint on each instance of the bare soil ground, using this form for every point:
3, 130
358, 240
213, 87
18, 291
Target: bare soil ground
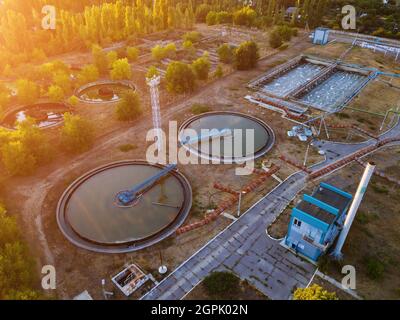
342, 295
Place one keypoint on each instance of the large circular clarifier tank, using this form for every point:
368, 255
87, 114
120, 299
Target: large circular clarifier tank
89, 216
264, 137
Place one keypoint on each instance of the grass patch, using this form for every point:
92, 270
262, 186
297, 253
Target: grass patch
126, 147
379, 189
198, 108
375, 268
222, 285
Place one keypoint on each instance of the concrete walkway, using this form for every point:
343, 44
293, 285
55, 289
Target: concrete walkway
244, 248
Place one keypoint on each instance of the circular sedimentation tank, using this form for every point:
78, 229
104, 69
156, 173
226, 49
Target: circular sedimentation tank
90, 218
264, 137
103, 91
46, 115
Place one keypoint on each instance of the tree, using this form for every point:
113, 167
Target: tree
315, 292
73, 100
219, 72
112, 56
158, 53
129, 108
89, 73
189, 47
27, 91
192, 36
225, 53
275, 39
62, 79
201, 12
55, 93
121, 69
132, 53
246, 56
180, 77
170, 50
211, 18
100, 59
17, 159
4, 96
201, 67
244, 16
152, 72
77, 135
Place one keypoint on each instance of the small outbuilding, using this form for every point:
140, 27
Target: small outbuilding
316, 221
320, 36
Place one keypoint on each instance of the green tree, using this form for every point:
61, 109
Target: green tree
180, 77
28, 92
246, 56
56, 93
152, 72
100, 59
17, 159
192, 36
158, 53
121, 69
219, 72
189, 48
77, 135
112, 56
275, 39
4, 96
314, 292
62, 79
129, 108
132, 53
201, 12
244, 16
225, 53
211, 18
73, 101
89, 73
170, 50
201, 67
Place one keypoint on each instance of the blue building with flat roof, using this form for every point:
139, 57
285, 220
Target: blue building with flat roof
316, 221
320, 36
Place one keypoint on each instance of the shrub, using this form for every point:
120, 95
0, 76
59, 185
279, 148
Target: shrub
132, 53
275, 39
284, 46
211, 18
219, 72
112, 56
244, 16
129, 108
27, 91
121, 69
192, 36
202, 11
89, 73
152, 72
201, 67
77, 135
314, 292
158, 53
170, 50
73, 101
56, 93
100, 59
221, 284
246, 56
198, 108
180, 77
225, 53
285, 32
189, 47
17, 159
224, 17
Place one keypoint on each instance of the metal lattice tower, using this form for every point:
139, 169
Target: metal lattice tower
153, 83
